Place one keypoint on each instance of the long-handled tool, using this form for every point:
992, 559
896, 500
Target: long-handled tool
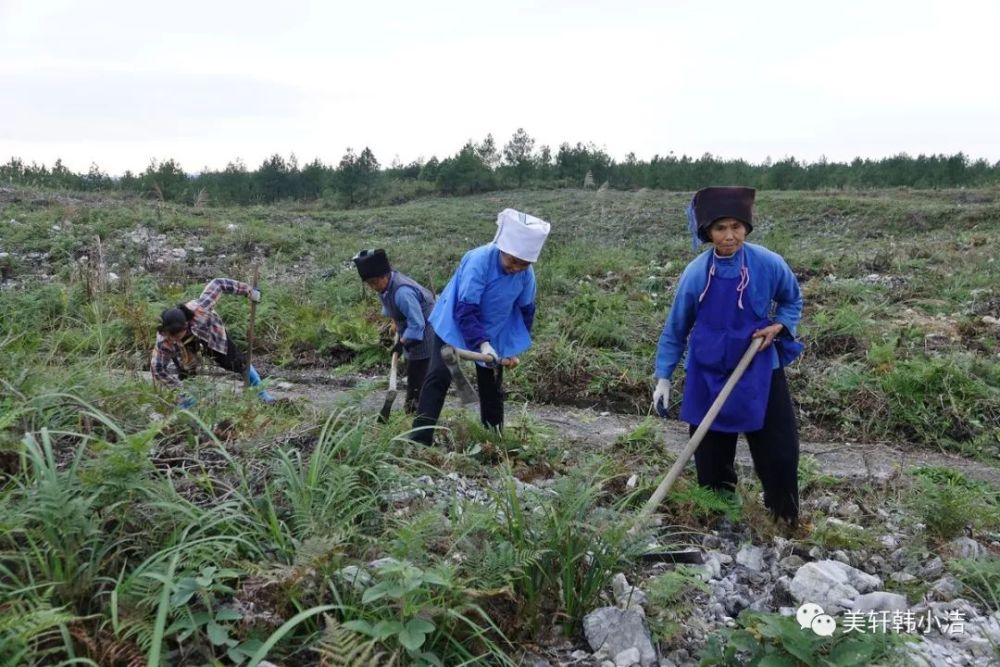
452, 357
253, 317
390, 396
706, 423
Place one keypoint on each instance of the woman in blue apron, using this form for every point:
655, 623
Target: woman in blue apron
727, 296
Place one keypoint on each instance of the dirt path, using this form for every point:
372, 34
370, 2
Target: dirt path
599, 429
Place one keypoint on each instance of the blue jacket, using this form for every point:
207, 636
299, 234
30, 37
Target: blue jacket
772, 283
409, 304
483, 303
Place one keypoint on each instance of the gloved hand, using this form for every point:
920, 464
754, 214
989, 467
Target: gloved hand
661, 397
255, 295
186, 402
398, 347
486, 348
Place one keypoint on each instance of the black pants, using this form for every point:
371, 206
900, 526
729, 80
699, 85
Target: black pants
416, 372
775, 452
436, 386
233, 360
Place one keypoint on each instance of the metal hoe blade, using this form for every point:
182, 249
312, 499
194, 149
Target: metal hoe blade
465, 391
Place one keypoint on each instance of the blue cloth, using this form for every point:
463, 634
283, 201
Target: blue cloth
773, 294
253, 376
470, 323
528, 313
409, 304
480, 280
719, 338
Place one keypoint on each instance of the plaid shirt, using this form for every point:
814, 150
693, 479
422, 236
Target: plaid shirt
206, 326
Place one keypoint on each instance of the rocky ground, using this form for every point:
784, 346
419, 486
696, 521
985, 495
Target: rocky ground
887, 582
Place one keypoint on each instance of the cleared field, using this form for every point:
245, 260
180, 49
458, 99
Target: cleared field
132, 532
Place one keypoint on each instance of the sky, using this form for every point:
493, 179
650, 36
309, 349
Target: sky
120, 83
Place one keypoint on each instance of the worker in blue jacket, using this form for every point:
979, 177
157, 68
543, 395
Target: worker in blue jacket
408, 304
731, 293
488, 306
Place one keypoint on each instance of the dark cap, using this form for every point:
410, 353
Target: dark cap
715, 203
372, 263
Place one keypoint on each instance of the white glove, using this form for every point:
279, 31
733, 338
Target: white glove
486, 348
255, 295
661, 397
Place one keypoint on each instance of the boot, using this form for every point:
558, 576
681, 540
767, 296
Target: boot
254, 377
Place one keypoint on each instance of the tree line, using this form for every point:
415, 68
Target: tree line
360, 180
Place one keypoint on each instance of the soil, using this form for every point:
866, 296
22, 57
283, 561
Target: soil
598, 429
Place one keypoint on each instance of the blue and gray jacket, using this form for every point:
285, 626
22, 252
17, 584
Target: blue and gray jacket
409, 304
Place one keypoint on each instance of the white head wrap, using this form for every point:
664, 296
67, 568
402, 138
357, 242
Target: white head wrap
520, 234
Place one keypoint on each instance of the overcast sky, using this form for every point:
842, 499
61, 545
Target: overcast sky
119, 83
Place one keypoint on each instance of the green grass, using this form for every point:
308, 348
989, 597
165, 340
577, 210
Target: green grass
131, 531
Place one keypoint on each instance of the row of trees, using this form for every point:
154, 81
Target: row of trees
359, 178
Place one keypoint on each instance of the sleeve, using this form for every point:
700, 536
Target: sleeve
788, 297
527, 295
472, 280
215, 289
470, 323
528, 313
159, 363
409, 305
526, 300
673, 338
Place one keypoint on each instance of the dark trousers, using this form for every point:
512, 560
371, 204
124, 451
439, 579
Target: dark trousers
233, 360
416, 372
775, 452
435, 388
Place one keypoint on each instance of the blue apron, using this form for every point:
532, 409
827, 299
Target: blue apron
719, 338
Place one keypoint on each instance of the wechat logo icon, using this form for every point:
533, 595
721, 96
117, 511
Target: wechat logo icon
811, 617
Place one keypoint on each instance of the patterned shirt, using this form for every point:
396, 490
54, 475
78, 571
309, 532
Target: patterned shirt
206, 326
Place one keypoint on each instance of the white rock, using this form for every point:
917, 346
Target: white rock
880, 601
946, 589
627, 658
355, 576
751, 557
711, 568
932, 569
889, 542
845, 526
632, 482
847, 510
966, 547
626, 595
615, 630
831, 584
